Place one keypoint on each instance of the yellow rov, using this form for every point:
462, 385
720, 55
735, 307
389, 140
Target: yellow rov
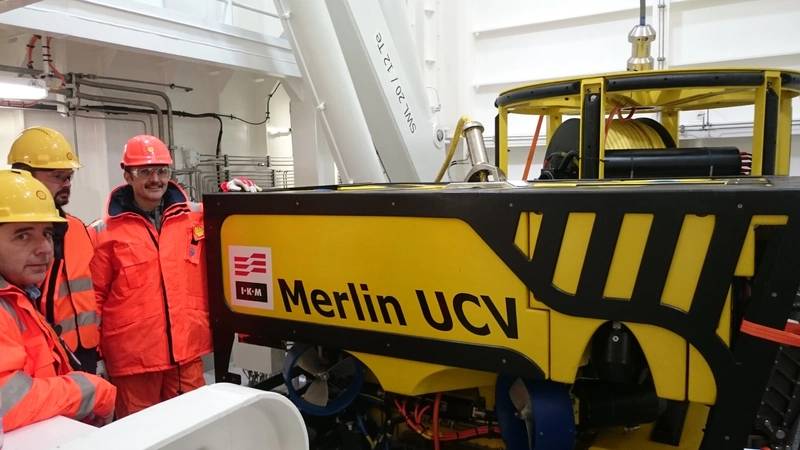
646, 311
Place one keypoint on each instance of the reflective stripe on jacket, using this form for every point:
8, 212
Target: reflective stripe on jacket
36, 382
68, 300
150, 284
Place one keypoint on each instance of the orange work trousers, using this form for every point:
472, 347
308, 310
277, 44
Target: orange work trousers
142, 390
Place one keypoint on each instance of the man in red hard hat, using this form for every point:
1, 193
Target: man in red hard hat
149, 279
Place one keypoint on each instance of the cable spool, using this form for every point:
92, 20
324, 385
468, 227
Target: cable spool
562, 149
632, 134
639, 148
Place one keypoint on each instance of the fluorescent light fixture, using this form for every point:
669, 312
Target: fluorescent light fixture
14, 88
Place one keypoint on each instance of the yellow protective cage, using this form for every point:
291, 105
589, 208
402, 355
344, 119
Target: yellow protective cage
666, 92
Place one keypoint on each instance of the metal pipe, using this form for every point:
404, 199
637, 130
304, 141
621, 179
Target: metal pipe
47, 58
148, 117
129, 80
473, 134
20, 70
127, 101
662, 33
724, 126
84, 116
75, 135
642, 9
80, 80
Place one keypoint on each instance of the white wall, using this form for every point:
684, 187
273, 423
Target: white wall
100, 142
280, 145
482, 49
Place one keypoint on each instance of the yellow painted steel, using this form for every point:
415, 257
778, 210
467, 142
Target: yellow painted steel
553, 122
702, 388
687, 261
570, 337
668, 102
418, 378
381, 251
669, 119
521, 240
623, 75
502, 139
784, 135
535, 224
398, 257
665, 352
627, 255
573, 251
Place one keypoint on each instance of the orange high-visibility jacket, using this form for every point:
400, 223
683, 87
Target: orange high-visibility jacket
68, 301
150, 284
36, 381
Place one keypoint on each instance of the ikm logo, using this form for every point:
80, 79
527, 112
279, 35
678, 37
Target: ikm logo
250, 276
245, 265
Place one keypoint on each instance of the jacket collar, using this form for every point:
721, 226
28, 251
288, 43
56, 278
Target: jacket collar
121, 199
8, 288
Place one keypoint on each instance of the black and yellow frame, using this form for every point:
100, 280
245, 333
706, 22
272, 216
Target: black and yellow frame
667, 92
741, 365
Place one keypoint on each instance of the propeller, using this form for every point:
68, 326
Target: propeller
322, 381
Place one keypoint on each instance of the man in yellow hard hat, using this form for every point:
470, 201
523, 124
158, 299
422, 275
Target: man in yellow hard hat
67, 301
36, 380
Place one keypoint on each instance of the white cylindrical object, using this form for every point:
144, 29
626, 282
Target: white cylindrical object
310, 31
383, 62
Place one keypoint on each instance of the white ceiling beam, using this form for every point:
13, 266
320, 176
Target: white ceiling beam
148, 32
8, 5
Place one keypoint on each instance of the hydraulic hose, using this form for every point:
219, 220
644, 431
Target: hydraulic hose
451, 150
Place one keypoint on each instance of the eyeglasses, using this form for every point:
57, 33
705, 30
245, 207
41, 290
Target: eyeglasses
147, 172
61, 176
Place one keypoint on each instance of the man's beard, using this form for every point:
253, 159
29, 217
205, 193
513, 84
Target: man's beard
62, 197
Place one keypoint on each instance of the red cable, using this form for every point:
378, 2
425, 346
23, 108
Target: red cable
421, 413
53, 67
630, 114
532, 149
789, 336
610, 118
438, 400
450, 436
29, 53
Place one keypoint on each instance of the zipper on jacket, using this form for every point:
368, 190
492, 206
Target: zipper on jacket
50, 299
166, 303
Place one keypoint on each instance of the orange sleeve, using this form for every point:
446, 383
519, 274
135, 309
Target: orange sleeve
26, 400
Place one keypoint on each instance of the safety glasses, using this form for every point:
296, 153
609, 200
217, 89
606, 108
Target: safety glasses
147, 172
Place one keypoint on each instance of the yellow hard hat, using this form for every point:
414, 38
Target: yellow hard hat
43, 148
25, 199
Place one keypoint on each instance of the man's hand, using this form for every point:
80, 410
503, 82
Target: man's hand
101, 370
98, 421
240, 184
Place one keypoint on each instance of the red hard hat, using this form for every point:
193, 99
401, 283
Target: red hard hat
145, 150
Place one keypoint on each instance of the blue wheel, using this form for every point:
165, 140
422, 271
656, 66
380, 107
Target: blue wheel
321, 382
534, 415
